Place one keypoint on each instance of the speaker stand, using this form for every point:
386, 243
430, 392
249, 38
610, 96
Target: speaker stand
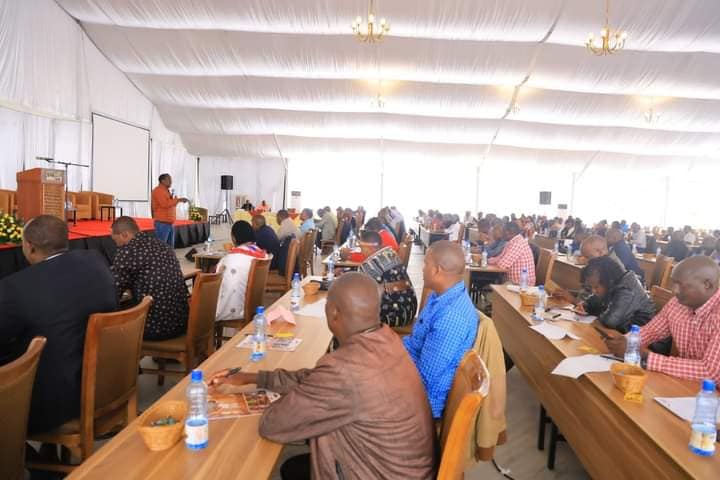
225, 214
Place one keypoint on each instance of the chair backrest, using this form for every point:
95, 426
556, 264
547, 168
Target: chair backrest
338, 231
667, 276
257, 281
291, 263
458, 422
306, 246
113, 342
544, 242
545, 266
404, 253
7, 201
461, 233
201, 319
660, 296
661, 275
16, 383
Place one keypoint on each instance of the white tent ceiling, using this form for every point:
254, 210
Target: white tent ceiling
270, 78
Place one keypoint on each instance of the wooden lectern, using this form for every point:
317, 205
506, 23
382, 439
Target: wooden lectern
41, 191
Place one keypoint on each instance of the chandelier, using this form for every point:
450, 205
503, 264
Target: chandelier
609, 41
370, 31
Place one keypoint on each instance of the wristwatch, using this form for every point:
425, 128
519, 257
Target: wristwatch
643, 363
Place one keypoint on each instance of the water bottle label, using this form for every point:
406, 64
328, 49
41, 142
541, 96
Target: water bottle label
196, 436
258, 348
703, 442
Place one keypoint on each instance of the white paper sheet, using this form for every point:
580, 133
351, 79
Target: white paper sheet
572, 316
574, 367
516, 289
683, 407
316, 309
553, 332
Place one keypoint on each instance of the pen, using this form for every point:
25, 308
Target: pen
612, 357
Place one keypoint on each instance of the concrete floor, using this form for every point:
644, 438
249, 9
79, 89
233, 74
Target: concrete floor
519, 455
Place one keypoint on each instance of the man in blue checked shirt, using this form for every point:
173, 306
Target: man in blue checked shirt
447, 325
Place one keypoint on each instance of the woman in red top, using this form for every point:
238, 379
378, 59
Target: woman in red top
388, 239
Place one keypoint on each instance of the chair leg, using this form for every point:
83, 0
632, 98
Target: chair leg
553, 446
541, 429
161, 367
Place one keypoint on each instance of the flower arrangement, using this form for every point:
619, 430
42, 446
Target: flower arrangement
10, 229
195, 214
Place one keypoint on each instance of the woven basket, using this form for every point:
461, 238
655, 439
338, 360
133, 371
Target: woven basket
629, 379
528, 299
165, 436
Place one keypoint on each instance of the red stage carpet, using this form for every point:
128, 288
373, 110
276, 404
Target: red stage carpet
96, 228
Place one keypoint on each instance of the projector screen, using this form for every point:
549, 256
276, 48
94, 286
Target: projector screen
120, 159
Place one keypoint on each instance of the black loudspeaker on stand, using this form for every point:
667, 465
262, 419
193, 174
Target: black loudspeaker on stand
226, 184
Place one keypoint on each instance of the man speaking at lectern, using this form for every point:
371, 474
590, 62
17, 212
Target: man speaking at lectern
163, 209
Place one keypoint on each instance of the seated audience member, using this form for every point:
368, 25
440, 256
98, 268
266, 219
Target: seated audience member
346, 225
265, 237
484, 233
677, 248
53, 298
146, 266
691, 318
235, 268
568, 230
498, 243
617, 245
707, 247
446, 326
327, 225
362, 408
601, 228
306, 217
516, 255
263, 207
388, 239
387, 223
438, 223
287, 226
618, 299
247, 206
689, 236
399, 302
668, 234
638, 237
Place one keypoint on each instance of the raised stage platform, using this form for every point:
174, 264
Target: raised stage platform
96, 235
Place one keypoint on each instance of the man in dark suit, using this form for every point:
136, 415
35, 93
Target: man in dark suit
53, 298
266, 238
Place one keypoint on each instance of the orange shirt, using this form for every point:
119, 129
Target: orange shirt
163, 205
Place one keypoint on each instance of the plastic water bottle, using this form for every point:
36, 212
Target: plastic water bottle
632, 351
540, 304
556, 248
196, 424
336, 252
351, 239
704, 426
634, 250
468, 255
296, 294
524, 279
569, 254
209, 244
259, 342
658, 252
484, 259
331, 269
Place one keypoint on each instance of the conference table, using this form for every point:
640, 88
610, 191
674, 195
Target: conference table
235, 449
566, 273
340, 263
612, 437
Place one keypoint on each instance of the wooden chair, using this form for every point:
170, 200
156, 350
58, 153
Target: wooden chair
82, 202
404, 253
660, 296
108, 397
257, 281
278, 283
407, 329
8, 201
458, 422
663, 269
198, 343
307, 245
16, 384
545, 266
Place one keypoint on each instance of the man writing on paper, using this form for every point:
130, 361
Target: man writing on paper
363, 406
692, 318
163, 209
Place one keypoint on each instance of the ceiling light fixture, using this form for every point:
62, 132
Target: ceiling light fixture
609, 41
370, 31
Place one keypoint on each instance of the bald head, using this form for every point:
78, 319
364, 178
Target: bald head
353, 305
594, 246
613, 236
444, 266
695, 280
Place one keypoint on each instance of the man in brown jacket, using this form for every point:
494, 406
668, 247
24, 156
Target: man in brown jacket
363, 406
